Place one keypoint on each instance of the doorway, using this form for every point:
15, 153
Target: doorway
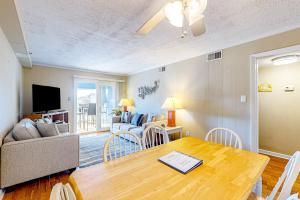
94, 102
272, 91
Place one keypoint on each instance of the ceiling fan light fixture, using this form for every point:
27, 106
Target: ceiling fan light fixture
173, 12
284, 60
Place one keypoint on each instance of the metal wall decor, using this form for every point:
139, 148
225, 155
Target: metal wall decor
147, 90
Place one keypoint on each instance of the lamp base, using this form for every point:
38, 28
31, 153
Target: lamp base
125, 109
171, 119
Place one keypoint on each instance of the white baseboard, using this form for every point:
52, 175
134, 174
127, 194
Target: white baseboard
275, 154
1, 194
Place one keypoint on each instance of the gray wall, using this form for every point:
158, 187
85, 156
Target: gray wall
279, 127
62, 78
10, 87
210, 91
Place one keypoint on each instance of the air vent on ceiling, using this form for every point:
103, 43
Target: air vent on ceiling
162, 69
214, 56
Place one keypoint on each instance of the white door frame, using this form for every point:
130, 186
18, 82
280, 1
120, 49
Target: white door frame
254, 100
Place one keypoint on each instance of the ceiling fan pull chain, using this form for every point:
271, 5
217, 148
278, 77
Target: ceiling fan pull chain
185, 19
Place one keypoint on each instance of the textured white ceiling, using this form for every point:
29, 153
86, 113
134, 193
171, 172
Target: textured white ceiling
100, 34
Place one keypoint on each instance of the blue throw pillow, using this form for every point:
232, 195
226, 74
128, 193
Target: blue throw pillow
137, 119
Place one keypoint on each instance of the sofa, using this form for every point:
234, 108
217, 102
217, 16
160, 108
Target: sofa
29, 159
118, 123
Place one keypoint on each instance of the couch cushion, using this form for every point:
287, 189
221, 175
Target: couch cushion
126, 127
47, 130
116, 126
137, 119
9, 138
25, 130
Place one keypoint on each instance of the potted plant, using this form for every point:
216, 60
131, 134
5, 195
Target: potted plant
116, 112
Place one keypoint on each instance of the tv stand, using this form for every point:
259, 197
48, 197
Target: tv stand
62, 116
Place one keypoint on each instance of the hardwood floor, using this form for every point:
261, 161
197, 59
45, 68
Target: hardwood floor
40, 189
272, 173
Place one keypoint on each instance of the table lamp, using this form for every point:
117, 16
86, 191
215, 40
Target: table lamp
124, 103
171, 104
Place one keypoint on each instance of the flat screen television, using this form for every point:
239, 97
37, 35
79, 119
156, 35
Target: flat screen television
45, 98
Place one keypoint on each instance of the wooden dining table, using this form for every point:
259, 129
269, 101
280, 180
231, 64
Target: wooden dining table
226, 173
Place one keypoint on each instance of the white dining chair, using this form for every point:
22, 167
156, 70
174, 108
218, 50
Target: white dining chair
121, 144
62, 192
154, 135
224, 136
286, 180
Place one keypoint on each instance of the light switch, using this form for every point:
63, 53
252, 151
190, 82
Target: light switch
243, 99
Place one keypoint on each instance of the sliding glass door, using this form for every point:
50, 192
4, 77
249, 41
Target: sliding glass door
94, 101
107, 104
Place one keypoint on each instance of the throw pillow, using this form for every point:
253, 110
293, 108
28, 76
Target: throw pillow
25, 131
125, 117
145, 118
27, 120
47, 130
47, 120
136, 120
40, 121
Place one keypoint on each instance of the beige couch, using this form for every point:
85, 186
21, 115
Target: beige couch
33, 158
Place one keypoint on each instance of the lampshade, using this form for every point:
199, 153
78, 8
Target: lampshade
171, 103
124, 102
131, 102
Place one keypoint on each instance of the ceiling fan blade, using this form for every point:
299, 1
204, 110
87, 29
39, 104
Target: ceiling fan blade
198, 27
152, 22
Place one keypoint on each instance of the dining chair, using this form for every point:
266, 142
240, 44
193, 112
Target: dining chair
286, 180
121, 144
224, 136
62, 192
154, 135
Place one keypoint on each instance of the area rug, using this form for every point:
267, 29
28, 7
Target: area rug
91, 148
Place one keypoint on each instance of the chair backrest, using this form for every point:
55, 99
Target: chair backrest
62, 192
92, 109
154, 135
121, 144
224, 136
287, 179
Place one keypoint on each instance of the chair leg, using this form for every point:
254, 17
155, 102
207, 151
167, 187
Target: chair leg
258, 187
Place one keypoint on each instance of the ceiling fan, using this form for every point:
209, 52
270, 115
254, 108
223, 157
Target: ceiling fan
187, 14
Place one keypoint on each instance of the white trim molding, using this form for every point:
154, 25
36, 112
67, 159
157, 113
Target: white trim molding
275, 154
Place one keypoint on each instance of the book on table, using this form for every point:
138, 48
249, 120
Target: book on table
181, 162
